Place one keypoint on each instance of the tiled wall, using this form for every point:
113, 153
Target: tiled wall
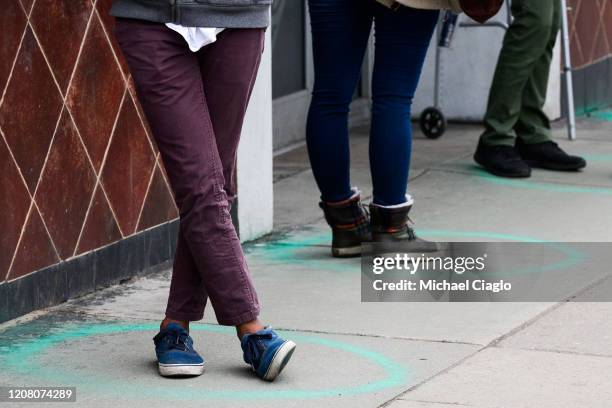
590, 30
591, 50
78, 169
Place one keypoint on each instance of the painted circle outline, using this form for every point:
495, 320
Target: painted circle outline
274, 251
395, 374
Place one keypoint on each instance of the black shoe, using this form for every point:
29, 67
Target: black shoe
548, 155
501, 160
392, 225
350, 225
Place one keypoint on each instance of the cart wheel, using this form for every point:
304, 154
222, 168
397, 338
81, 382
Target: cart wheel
433, 123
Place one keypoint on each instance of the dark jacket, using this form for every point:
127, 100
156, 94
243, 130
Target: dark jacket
198, 13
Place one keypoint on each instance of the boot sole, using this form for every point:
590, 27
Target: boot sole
555, 167
507, 175
280, 360
348, 252
501, 173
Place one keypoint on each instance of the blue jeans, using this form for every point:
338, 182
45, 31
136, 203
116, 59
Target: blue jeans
340, 31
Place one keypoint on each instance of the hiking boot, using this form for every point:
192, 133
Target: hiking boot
391, 224
350, 225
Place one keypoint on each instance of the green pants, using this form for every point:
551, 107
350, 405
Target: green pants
519, 86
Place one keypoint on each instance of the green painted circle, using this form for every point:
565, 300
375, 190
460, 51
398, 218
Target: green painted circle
22, 358
485, 176
288, 251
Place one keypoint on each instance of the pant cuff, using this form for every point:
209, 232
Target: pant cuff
239, 319
497, 140
535, 139
190, 317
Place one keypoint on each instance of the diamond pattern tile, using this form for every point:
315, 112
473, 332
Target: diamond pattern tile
12, 25
53, 147
577, 56
600, 47
14, 202
159, 205
27, 5
95, 92
607, 19
35, 250
590, 30
128, 167
133, 93
60, 26
100, 226
30, 110
103, 7
66, 188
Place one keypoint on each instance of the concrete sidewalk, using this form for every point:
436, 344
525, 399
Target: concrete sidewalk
353, 354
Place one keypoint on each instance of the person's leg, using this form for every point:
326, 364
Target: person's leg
524, 44
524, 48
169, 84
229, 69
534, 136
533, 125
340, 32
402, 39
166, 74
187, 297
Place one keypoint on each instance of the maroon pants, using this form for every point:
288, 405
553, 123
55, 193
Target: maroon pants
195, 104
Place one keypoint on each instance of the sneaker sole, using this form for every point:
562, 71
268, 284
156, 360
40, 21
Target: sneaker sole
280, 360
180, 370
346, 252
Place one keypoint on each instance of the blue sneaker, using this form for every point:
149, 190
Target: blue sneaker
266, 353
175, 353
